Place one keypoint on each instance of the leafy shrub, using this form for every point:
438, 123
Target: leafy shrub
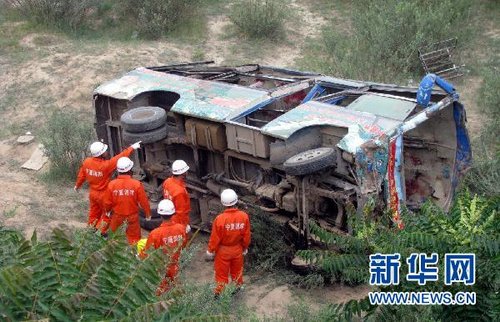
382, 44
259, 18
79, 276
65, 137
156, 18
269, 249
63, 14
472, 226
66, 278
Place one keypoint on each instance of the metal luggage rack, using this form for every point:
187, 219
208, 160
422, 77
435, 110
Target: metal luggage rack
436, 58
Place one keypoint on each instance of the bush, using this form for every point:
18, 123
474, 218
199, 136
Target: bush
269, 249
65, 137
156, 18
484, 177
385, 35
259, 18
80, 276
62, 14
471, 226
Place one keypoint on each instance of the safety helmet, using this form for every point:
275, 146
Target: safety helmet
166, 208
179, 167
124, 164
98, 148
228, 197
141, 244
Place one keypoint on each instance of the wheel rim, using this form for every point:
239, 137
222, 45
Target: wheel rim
309, 155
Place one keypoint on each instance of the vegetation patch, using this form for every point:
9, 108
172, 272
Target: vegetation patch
63, 14
269, 248
472, 226
151, 19
156, 18
259, 18
484, 177
65, 138
80, 276
382, 45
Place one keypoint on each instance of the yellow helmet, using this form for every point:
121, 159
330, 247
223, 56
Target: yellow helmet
141, 244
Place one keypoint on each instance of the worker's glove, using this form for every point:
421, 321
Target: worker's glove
75, 188
148, 218
188, 229
136, 145
245, 252
210, 256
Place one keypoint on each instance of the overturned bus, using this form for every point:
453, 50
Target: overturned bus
298, 146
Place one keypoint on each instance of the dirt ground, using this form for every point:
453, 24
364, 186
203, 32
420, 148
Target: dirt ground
52, 70
266, 297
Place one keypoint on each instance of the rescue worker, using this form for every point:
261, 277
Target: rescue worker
97, 171
123, 197
171, 237
229, 242
174, 188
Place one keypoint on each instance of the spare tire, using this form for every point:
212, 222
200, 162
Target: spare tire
146, 137
154, 212
143, 118
310, 161
150, 225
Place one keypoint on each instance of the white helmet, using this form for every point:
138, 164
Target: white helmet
124, 164
179, 167
98, 148
228, 197
166, 208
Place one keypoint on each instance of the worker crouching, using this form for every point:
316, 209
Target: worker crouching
171, 237
123, 197
229, 242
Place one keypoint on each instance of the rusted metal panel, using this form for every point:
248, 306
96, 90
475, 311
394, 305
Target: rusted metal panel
342, 82
395, 179
247, 139
371, 165
204, 99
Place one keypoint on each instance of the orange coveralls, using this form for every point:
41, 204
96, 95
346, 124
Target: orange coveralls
97, 172
172, 238
123, 196
175, 189
229, 238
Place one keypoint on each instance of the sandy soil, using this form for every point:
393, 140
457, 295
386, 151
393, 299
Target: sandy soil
266, 297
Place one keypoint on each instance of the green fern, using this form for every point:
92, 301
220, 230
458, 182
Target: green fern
486, 244
67, 279
471, 226
345, 243
79, 276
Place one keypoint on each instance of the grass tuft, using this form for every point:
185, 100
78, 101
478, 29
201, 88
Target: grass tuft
259, 18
